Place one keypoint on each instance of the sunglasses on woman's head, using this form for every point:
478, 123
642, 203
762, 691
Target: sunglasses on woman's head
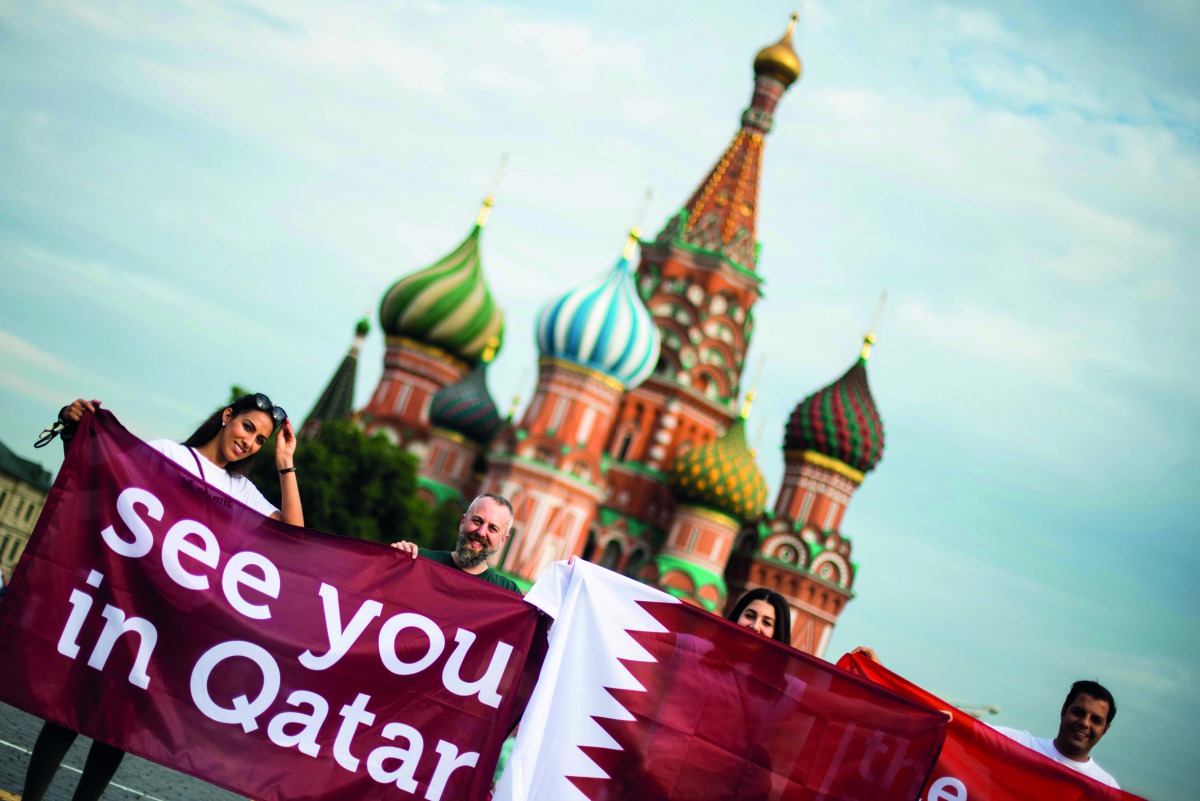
264, 404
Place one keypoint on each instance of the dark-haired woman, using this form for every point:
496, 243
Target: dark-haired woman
764, 612
220, 452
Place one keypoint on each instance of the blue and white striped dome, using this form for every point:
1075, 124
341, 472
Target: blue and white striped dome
604, 326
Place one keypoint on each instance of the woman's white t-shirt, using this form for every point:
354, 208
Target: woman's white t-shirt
232, 484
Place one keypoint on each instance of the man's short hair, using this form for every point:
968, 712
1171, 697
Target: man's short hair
1095, 690
500, 499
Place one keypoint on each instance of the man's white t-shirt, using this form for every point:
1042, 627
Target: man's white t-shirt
1046, 747
232, 484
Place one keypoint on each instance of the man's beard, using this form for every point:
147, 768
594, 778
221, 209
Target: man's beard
468, 558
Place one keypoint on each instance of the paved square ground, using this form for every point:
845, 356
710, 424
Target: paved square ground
136, 778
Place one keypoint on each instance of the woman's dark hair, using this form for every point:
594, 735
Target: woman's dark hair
212, 426
783, 612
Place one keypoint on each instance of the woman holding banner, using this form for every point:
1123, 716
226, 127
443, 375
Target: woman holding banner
219, 452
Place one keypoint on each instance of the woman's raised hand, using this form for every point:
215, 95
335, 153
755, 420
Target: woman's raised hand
74, 412
285, 445
290, 510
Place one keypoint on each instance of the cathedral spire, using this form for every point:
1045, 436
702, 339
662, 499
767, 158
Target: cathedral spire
336, 402
721, 215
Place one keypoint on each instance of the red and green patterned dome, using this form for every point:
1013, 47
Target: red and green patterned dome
721, 475
447, 304
840, 421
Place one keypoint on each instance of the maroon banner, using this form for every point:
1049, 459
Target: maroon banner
643, 697
161, 616
979, 763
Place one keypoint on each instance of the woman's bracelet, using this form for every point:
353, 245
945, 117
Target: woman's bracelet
287, 470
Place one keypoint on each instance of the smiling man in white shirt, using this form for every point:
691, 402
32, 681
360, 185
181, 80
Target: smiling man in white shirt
1085, 718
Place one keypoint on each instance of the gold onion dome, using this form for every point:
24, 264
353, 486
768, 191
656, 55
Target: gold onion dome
780, 60
447, 304
721, 475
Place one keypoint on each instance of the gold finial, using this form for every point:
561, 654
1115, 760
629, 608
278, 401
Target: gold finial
516, 401
489, 350
490, 199
746, 404
869, 339
751, 395
635, 232
482, 219
630, 243
779, 60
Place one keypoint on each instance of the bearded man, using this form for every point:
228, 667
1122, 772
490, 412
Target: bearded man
481, 532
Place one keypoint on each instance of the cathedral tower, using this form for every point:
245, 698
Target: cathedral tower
699, 279
718, 489
594, 343
337, 401
833, 438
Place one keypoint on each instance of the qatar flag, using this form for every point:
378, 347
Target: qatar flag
644, 697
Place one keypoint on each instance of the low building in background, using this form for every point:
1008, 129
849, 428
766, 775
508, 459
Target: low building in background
24, 486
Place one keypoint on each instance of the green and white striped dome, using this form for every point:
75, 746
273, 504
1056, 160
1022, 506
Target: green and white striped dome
447, 304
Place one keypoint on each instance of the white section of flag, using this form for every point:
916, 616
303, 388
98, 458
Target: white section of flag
594, 610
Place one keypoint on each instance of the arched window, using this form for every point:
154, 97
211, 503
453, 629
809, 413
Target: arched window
611, 556
589, 549
635, 563
623, 446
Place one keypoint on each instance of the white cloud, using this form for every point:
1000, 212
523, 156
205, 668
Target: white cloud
161, 300
971, 24
33, 390
13, 348
1038, 350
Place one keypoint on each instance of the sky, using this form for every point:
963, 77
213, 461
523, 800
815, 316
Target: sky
200, 194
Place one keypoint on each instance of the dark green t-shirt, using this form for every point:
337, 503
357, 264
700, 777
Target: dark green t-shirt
447, 558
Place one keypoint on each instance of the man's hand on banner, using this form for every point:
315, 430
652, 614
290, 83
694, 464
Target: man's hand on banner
409, 548
866, 652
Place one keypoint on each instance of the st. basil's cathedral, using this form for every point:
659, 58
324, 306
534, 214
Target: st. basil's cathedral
632, 451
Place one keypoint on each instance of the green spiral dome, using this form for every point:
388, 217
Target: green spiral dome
447, 304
